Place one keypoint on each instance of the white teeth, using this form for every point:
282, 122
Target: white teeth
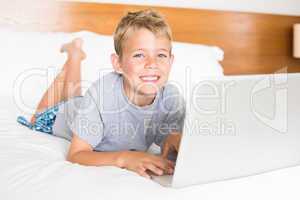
149, 78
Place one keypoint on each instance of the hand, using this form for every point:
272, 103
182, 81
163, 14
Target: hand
145, 164
171, 143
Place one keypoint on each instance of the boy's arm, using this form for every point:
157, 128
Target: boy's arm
171, 143
140, 162
82, 153
169, 136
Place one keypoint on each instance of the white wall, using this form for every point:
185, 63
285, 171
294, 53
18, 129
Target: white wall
289, 7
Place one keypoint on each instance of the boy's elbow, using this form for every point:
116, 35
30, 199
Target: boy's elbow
73, 157
76, 148
70, 158
79, 157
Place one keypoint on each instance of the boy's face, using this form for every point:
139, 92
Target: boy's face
146, 62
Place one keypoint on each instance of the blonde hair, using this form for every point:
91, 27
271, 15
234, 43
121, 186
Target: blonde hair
148, 19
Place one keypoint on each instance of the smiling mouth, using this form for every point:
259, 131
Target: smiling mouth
150, 78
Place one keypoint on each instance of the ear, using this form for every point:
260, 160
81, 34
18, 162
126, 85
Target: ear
115, 61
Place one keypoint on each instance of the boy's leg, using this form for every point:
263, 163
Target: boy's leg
72, 81
67, 82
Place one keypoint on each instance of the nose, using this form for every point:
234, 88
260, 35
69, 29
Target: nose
151, 62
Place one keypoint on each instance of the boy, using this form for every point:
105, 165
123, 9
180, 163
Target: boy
124, 111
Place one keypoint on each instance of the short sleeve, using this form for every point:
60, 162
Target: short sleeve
174, 120
87, 123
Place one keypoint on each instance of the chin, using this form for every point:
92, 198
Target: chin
148, 91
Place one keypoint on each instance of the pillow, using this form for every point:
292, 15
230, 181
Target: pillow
31, 60
193, 62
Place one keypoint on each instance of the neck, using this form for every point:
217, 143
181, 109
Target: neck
138, 99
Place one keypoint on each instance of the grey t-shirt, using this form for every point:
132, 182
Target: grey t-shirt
108, 121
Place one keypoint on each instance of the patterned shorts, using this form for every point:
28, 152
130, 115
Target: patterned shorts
43, 121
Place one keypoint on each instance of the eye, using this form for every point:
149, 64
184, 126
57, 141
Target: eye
138, 55
161, 55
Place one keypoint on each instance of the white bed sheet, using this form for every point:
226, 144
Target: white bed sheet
33, 166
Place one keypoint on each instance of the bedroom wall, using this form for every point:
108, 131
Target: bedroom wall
289, 7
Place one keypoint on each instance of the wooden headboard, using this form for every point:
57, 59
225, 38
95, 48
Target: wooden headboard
253, 43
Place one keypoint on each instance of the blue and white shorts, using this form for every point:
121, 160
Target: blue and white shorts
54, 120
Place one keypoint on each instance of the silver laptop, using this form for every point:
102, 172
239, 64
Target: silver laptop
238, 126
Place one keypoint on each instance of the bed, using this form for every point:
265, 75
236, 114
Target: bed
33, 166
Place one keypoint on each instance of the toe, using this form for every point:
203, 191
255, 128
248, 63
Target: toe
77, 42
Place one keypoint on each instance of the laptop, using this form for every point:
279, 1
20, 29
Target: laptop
237, 126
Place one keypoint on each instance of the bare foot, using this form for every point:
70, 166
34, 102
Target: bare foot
74, 49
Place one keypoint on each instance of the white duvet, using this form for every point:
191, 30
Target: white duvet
33, 166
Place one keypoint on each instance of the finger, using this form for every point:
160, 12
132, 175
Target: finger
162, 163
171, 164
154, 169
169, 171
171, 167
163, 167
143, 173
